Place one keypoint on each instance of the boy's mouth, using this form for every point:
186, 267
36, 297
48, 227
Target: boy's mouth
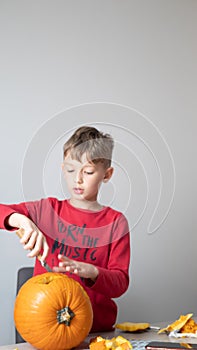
78, 190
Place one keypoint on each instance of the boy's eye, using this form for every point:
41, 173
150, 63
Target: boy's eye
70, 170
89, 172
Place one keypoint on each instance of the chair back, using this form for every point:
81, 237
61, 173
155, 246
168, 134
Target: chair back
23, 274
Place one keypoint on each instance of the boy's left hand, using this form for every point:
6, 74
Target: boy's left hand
79, 268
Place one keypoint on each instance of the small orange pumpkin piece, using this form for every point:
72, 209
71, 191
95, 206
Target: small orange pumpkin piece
53, 311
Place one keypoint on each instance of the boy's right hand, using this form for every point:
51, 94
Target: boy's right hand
32, 239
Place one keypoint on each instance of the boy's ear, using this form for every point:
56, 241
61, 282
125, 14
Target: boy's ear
108, 174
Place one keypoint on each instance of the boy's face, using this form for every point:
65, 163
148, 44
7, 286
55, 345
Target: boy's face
84, 178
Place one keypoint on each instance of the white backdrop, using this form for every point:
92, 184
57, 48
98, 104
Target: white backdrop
128, 67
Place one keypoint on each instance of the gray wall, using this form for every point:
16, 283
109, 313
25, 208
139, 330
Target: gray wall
130, 68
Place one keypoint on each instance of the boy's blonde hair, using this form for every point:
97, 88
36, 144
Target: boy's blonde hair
95, 144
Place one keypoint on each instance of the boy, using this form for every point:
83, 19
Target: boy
79, 236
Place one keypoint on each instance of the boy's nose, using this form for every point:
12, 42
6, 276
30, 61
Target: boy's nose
79, 177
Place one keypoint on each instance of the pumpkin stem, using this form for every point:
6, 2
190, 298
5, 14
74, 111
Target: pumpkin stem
65, 315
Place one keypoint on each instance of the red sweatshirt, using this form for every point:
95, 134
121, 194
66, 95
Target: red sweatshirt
100, 238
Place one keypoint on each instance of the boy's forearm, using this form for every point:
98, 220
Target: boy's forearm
112, 283
11, 215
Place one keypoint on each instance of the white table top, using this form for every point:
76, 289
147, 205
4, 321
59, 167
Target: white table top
138, 338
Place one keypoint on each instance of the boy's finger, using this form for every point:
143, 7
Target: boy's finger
45, 251
24, 235
63, 258
31, 243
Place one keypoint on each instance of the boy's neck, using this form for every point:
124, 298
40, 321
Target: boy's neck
87, 205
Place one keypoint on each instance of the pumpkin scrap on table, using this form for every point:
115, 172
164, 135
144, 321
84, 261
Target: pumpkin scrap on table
185, 324
189, 327
53, 311
116, 343
132, 327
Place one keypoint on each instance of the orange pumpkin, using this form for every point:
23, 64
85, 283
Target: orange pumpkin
53, 312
